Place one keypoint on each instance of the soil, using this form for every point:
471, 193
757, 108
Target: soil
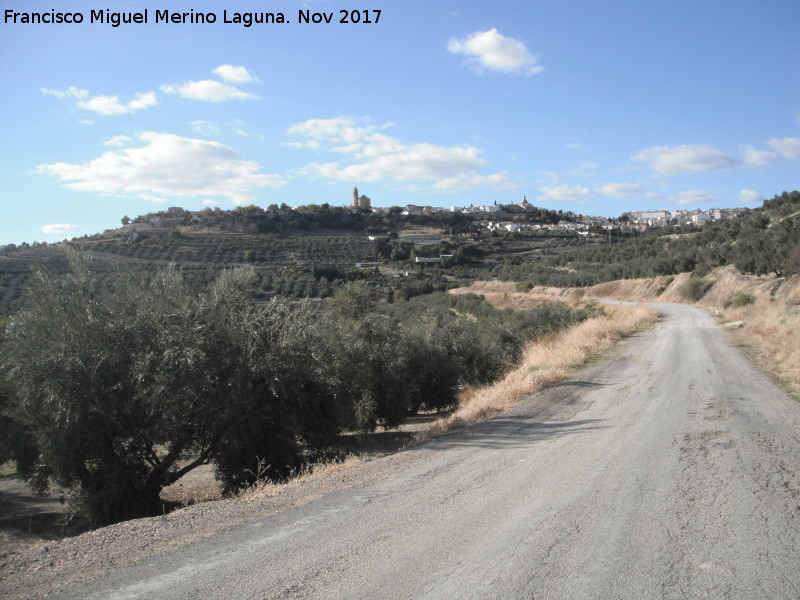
37, 536
27, 518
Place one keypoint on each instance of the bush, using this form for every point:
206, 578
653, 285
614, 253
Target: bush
366, 370
741, 299
111, 393
695, 288
524, 286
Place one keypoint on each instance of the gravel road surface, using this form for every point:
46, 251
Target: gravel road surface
668, 470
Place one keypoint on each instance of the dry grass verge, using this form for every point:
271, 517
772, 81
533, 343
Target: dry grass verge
265, 488
771, 335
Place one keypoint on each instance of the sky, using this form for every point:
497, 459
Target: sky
594, 106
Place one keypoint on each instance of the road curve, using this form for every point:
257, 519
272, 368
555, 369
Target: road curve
668, 470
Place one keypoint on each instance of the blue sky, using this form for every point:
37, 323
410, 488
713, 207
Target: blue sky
598, 107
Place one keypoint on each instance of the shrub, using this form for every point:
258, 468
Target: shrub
524, 286
354, 300
695, 288
741, 299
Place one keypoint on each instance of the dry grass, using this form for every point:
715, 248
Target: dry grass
546, 362
263, 488
198, 485
503, 294
771, 334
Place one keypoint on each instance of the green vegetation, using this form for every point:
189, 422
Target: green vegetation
303, 252
114, 390
762, 241
742, 299
695, 288
119, 394
667, 282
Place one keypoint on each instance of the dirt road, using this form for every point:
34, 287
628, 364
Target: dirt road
669, 470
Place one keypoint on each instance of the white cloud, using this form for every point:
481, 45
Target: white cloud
141, 101
758, 158
70, 92
621, 190
375, 156
787, 147
308, 145
694, 197
564, 193
496, 181
342, 134
235, 74
205, 128
118, 140
493, 51
750, 197
168, 166
680, 160
105, 105
59, 229
207, 90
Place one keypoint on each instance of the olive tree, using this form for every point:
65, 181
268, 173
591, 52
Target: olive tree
122, 394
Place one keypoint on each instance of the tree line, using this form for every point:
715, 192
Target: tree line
117, 394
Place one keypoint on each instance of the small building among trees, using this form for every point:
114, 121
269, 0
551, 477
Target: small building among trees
360, 202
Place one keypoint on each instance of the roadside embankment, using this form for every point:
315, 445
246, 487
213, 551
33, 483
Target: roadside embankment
766, 310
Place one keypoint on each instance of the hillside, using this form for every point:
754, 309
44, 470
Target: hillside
303, 253
762, 241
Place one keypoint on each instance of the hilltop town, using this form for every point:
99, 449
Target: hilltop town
511, 217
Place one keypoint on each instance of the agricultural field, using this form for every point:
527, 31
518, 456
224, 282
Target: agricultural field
289, 264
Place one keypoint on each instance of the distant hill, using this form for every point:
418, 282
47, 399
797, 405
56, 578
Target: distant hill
762, 241
306, 252
296, 253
